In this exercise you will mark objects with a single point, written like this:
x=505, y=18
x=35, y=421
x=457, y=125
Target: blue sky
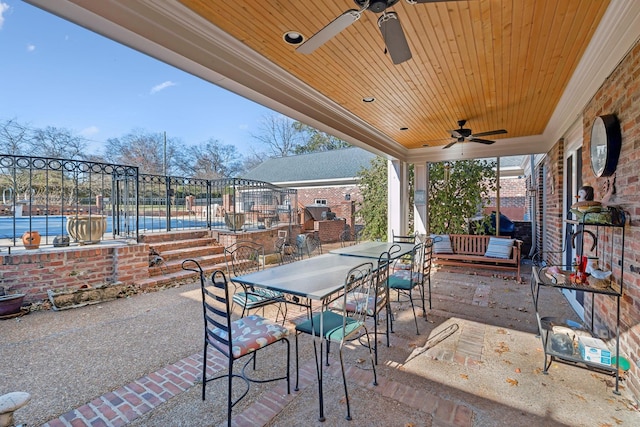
x=56, y=73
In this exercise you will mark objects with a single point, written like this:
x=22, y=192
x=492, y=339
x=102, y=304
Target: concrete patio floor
x=476, y=362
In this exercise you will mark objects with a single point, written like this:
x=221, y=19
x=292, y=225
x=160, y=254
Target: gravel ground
x=65, y=359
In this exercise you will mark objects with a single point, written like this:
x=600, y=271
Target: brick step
x=174, y=265
x=191, y=252
x=177, y=277
x=155, y=238
x=164, y=247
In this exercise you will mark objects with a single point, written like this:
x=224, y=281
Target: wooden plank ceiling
x=500, y=64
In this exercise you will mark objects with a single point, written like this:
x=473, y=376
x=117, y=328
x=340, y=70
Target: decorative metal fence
x=58, y=198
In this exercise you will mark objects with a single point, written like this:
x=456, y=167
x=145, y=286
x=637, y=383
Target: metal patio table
x=317, y=279
x=372, y=250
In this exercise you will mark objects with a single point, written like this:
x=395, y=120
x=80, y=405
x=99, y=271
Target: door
x=573, y=182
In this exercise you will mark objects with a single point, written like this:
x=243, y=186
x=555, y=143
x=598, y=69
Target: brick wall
x=551, y=211
x=620, y=95
x=267, y=238
x=329, y=231
x=333, y=195
x=513, y=200
x=33, y=273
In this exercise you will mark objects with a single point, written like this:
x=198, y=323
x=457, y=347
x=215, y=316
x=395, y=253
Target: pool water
x=56, y=225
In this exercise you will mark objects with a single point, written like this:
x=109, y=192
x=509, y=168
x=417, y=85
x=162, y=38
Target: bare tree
x=14, y=137
x=142, y=149
x=315, y=140
x=252, y=160
x=216, y=160
x=279, y=134
x=57, y=142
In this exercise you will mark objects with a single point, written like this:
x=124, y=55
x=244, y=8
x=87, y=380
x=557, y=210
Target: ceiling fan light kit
x=462, y=134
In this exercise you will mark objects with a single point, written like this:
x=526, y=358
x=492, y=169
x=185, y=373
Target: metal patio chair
x=286, y=250
x=378, y=299
x=308, y=244
x=342, y=326
x=246, y=257
x=410, y=238
x=404, y=281
x=233, y=338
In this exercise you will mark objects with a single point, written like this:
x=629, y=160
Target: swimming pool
x=56, y=225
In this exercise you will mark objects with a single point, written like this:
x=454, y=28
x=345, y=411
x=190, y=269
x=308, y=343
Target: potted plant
x=10, y=304
x=31, y=239
x=234, y=220
x=86, y=229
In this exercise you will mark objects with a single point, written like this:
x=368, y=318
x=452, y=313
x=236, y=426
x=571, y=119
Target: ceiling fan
x=463, y=134
x=389, y=24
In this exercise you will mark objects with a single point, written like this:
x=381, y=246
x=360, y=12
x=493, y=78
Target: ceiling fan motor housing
x=464, y=132
x=376, y=6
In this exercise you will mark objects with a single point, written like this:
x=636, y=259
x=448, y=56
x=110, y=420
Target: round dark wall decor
x=605, y=145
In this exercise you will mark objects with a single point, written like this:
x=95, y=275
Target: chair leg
x=284, y=312
x=344, y=382
x=421, y=289
x=373, y=365
x=204, y=370
x=413, y=308
x=318, y=356
x=390, y=315
x=388, y=320
x=375, y=337
x=297, y=368
x=288, y=366
x=327, y=358
x=229, y=393
x=429, y=280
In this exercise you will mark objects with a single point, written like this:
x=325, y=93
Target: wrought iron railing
x=46, y=195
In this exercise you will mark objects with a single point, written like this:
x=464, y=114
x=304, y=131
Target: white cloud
x=161, y=86
x=3, y=8
x=31, y=47
x=91, y=130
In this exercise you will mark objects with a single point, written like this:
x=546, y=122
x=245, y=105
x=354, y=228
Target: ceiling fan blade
x=481, y=141
x=330, y=30
x=449, y=145
x=491, y=132
x=394, y=37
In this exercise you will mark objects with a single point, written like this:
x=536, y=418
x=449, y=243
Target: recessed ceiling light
x=404, y=128
x=293, y=37
x=368, y=99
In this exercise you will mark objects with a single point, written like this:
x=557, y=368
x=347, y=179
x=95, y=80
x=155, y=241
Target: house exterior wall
x=513, y=198
x=551, y=212
x=336, y=200
x=334, y=195
x=619, y=95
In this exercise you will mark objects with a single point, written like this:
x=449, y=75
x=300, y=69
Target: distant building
x=326, y=178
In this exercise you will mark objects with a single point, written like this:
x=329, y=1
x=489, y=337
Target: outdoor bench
x=500, y=253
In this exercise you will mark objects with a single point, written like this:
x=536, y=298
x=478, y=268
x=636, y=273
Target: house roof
x=332, y=167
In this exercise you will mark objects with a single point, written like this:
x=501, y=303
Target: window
x=320, y=201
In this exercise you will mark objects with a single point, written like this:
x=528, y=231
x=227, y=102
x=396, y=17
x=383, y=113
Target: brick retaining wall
x=34, y=272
